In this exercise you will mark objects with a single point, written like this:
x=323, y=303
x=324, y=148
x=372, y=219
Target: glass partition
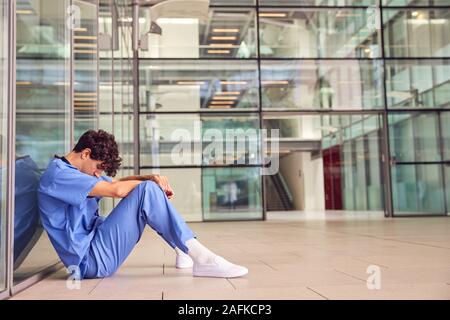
x=85, y=65
x=322, y=84
x=223, y=33
x=416, y=32
x=423, y=83
x=351, y=151
x=319, y=33
x=418, y=147
x=231, y=194
x=193, y=139
x=187, y=186
x=197, y=85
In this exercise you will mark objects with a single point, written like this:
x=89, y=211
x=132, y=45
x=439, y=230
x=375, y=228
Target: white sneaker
x=183, y=261
x=219, y=268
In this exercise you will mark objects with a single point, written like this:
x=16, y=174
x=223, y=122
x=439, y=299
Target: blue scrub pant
x=114, y=239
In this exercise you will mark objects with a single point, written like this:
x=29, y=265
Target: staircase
x=278, y=196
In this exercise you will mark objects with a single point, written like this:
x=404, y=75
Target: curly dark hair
x=103, y=148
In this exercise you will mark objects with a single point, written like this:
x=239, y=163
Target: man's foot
x=219, y=268
x=183, y=261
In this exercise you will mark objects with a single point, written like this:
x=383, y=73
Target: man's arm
x=120, y=188
x=116, y=189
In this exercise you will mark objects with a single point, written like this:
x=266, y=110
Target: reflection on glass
x=191, y=139
x=198, y=85
x=85, y=68
x=3, y=134
x=187, y=186
x=418, y=189
x=43, y=99
x=226, y=33
x=322, y=84
x=416, y=32
x=27, y=225
x=414, y=137
x=418, y=83
x=319, y=33
x=232, y=193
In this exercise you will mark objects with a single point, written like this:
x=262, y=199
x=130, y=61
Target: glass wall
x=42, y=121
x=85, y=65
x=414, y=83
x=417, y=143
x=58, y=87
x=353, y=171
x=322, y=84
x=4, y=7
x=318, y=33
x=115, y=88
x=199, y=91
x=417, y=49
x=281, y=62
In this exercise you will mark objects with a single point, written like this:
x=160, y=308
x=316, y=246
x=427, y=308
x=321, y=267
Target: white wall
x=291, y=168
x=314, y=183
x=178, y=40
x=305, y=180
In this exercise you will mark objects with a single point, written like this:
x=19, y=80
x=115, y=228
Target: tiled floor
x=290, y=256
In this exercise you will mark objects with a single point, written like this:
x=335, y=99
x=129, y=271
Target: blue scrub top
x=68, y=215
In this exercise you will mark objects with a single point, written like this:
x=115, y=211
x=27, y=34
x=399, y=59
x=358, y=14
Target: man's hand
x=159, y=180
x=163, y=182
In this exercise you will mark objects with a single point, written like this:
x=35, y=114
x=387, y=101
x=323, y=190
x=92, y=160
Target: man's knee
x=151, y=185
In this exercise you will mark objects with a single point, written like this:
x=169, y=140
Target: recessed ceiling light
x=273, y=14
x=24, y=11
x=221, y=102
x=224, y=98
x=233, y=82
x=223, y=38
x=220, y=107
x=219, y=51
x=85, y=51
x=225, y=30
x=280, y=82
x=221, y=45
x=85, y=37
x=231, y=93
